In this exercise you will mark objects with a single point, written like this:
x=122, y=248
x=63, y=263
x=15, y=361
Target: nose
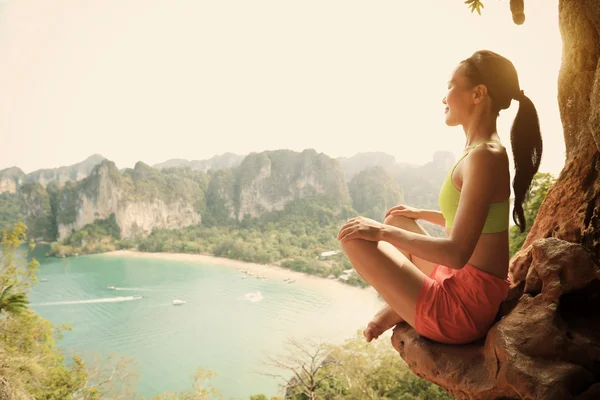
x=444, y=100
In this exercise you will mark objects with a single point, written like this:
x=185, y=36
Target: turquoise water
x=218, y=328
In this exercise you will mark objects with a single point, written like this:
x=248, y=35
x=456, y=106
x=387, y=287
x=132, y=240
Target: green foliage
x=67, y=203
x=474, y=5
x=220, y=195
x=259, y=397
x=293, y=238
x=373, y=192
x=12, y=303
x=540, y=185
x=199, y=390
x=29, y=361
x=354, y=370
x=37, y=211
x=146, y=183
x=10, y=210
x=98, y=237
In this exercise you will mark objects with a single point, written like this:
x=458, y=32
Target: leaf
x=474, y=5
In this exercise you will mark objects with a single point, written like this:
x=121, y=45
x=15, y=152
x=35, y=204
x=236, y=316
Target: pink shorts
x=458, y=306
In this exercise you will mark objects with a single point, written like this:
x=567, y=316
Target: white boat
x=254, y=296
x=112, y=287
x=178, y=302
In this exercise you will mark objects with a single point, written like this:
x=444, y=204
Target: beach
x=269, y=271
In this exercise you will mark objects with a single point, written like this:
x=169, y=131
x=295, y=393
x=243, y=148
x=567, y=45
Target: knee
x=354, y=246
x=399, y=221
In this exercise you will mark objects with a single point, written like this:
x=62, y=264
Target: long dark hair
x=500, y=77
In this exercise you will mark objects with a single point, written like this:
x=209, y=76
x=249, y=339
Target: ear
x=479, y=93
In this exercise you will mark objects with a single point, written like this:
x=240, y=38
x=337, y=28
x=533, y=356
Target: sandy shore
x=268, y=271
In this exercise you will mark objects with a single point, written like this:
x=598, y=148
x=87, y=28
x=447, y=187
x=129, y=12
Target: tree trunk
x=571, y=208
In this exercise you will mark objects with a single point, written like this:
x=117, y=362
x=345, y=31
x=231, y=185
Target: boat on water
x=254, y=296
x=43, y=280
x=112, y=287
x=177, y=302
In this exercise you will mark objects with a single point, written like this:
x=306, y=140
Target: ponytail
x=499, y=75
x=526, y=143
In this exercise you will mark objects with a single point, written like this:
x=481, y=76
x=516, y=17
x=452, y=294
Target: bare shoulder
x=491, y=157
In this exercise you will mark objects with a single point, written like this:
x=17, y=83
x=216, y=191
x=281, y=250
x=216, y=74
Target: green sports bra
x=498, y=213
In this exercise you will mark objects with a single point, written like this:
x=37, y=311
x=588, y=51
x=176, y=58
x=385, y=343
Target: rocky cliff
x=37, y=211
x=268, y=180
x=61, y=175
x=374, y=191
x=11, y=179
x=141, y=199
x=144, y=198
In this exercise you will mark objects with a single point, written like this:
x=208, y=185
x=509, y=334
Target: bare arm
x=433, y=216
x=476, y=193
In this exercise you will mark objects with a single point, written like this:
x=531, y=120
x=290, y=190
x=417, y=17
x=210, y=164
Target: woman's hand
x=404, y=211
x=361, y=228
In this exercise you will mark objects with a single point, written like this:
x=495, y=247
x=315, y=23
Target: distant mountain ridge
x=222, y=161
x=12, y=178
x=58, y=202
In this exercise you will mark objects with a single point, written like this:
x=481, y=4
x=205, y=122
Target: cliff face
x=11, y=179
x=36, y=211
x=62, y=175
x=268, y=180
x=373, y=192
x=144, y=198
x=138, y=205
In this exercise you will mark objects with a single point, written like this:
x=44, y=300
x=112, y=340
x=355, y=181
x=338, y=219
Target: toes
x=371, y=332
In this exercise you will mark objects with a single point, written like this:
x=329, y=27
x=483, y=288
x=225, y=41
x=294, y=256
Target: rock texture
x=61, y=175
x=267, y=181
x=11, y=179
x=546, y=344
x=106, y=192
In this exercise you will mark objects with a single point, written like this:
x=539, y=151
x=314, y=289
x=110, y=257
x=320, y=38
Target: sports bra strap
x=471, y=147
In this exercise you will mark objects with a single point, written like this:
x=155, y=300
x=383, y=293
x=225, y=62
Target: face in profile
x=459, y=99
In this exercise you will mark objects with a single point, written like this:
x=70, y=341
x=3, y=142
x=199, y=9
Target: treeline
x=354, y=370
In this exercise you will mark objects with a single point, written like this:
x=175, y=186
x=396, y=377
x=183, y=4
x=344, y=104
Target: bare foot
x=385, y=319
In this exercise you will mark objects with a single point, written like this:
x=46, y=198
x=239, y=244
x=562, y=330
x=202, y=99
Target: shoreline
x=267, y=270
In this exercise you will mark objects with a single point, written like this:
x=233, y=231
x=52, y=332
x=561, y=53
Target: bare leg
x=394, y=276
x=387, y=318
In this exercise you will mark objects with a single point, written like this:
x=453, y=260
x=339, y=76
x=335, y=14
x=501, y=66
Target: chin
x=450, y=121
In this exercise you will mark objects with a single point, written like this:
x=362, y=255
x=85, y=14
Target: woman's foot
x=385, y=319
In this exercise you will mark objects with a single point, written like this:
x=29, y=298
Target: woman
x=449, y=289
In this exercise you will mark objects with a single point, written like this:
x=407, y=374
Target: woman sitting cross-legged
x=449, y=289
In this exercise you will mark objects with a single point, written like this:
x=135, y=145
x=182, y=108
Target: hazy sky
x=152, y=80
